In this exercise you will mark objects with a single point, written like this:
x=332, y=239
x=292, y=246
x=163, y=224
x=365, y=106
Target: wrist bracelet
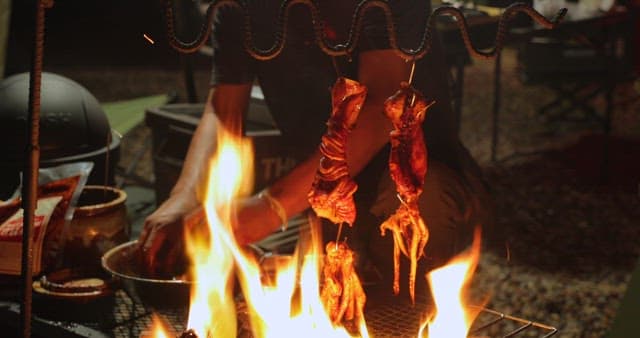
x=275, y=205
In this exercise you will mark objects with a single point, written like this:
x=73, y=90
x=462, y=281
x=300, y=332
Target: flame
x=159, y=329
x=284, y=302
x=213, y=253
x=453, y=316
x=283, y=298
x=289, y=304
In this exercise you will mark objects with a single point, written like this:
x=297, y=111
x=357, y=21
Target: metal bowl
x=157, y=292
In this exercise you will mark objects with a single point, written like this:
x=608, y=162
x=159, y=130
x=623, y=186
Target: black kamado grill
x=73, y=128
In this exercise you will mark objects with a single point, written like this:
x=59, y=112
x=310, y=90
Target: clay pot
x=100, y=222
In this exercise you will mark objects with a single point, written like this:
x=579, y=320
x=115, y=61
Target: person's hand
x=161, y=242
x=255, y=220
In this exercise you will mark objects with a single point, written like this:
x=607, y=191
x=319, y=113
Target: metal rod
x=30, y=171
x=496, y=108
x=339, y=233
x=347, y=48
x=413, y=70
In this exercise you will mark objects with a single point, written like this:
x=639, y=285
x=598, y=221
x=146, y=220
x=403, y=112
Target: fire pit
x=319, y=293
x=213, y=312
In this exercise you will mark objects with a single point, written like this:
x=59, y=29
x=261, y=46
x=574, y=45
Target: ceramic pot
x=100, y=222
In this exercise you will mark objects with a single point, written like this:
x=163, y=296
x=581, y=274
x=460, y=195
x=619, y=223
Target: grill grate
x=390, y=318
x=134, y=319
x=131, y=319
x=491, y=323
x=385, y=318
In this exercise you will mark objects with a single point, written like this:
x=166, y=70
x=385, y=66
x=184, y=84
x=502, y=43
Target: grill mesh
x=385, y=317
x=394, y=319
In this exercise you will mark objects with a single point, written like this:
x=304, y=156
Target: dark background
x=90, y=33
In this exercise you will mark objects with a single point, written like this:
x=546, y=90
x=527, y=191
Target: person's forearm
x=291, y=190
x=195, y=165
x=381, y=71
x=225, y=106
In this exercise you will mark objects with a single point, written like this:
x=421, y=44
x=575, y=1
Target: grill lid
x=72, y=121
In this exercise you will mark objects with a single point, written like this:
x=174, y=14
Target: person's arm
x=225, y=105
x=381, y=71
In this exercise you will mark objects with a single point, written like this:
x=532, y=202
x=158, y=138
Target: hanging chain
x=347, y=48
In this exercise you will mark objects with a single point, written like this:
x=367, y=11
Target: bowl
x=159, y=292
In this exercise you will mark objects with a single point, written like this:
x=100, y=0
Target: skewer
x=338, y=235
x=413, y=220
x=335, y=66
x=413, y=69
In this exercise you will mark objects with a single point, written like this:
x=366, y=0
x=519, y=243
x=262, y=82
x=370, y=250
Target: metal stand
x=347, y=48
x=30, y=176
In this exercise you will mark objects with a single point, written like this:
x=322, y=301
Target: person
x=296, y=86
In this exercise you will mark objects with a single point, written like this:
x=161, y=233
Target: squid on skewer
x=408, y=167
x=331, y=197
x=342, y=293
x=331, y=194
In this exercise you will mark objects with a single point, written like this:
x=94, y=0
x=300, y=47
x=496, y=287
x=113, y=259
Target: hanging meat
x=341, y=293
x=408, y=167
x=331, y=194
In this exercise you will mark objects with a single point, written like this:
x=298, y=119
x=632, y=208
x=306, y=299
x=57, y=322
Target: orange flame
x=453, y=316
x=288, y=304
x=212, y=254
x=159, y=329
x=285, y=301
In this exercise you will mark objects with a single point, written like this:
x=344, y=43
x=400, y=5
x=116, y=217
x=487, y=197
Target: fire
x=452, y=315
x=290, y=306
x=212, y=253
x=284, y=301
x=158, y=329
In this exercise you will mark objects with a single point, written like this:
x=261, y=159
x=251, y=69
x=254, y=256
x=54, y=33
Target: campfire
x=301, y=296
x=286, y=301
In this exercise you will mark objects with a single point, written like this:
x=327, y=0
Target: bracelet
x=276, y=206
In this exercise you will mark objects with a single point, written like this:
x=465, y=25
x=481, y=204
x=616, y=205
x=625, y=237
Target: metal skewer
x=413, y=96
x=339, y=233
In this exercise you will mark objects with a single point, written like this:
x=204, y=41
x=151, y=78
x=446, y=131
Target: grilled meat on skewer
x=341, y=293
x=331, y=194
x=408, y=167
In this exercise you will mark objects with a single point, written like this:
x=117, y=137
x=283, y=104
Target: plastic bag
x=66, y=181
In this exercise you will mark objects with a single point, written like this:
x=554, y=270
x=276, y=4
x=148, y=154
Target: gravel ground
x=572, y=233
x=572, y=238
